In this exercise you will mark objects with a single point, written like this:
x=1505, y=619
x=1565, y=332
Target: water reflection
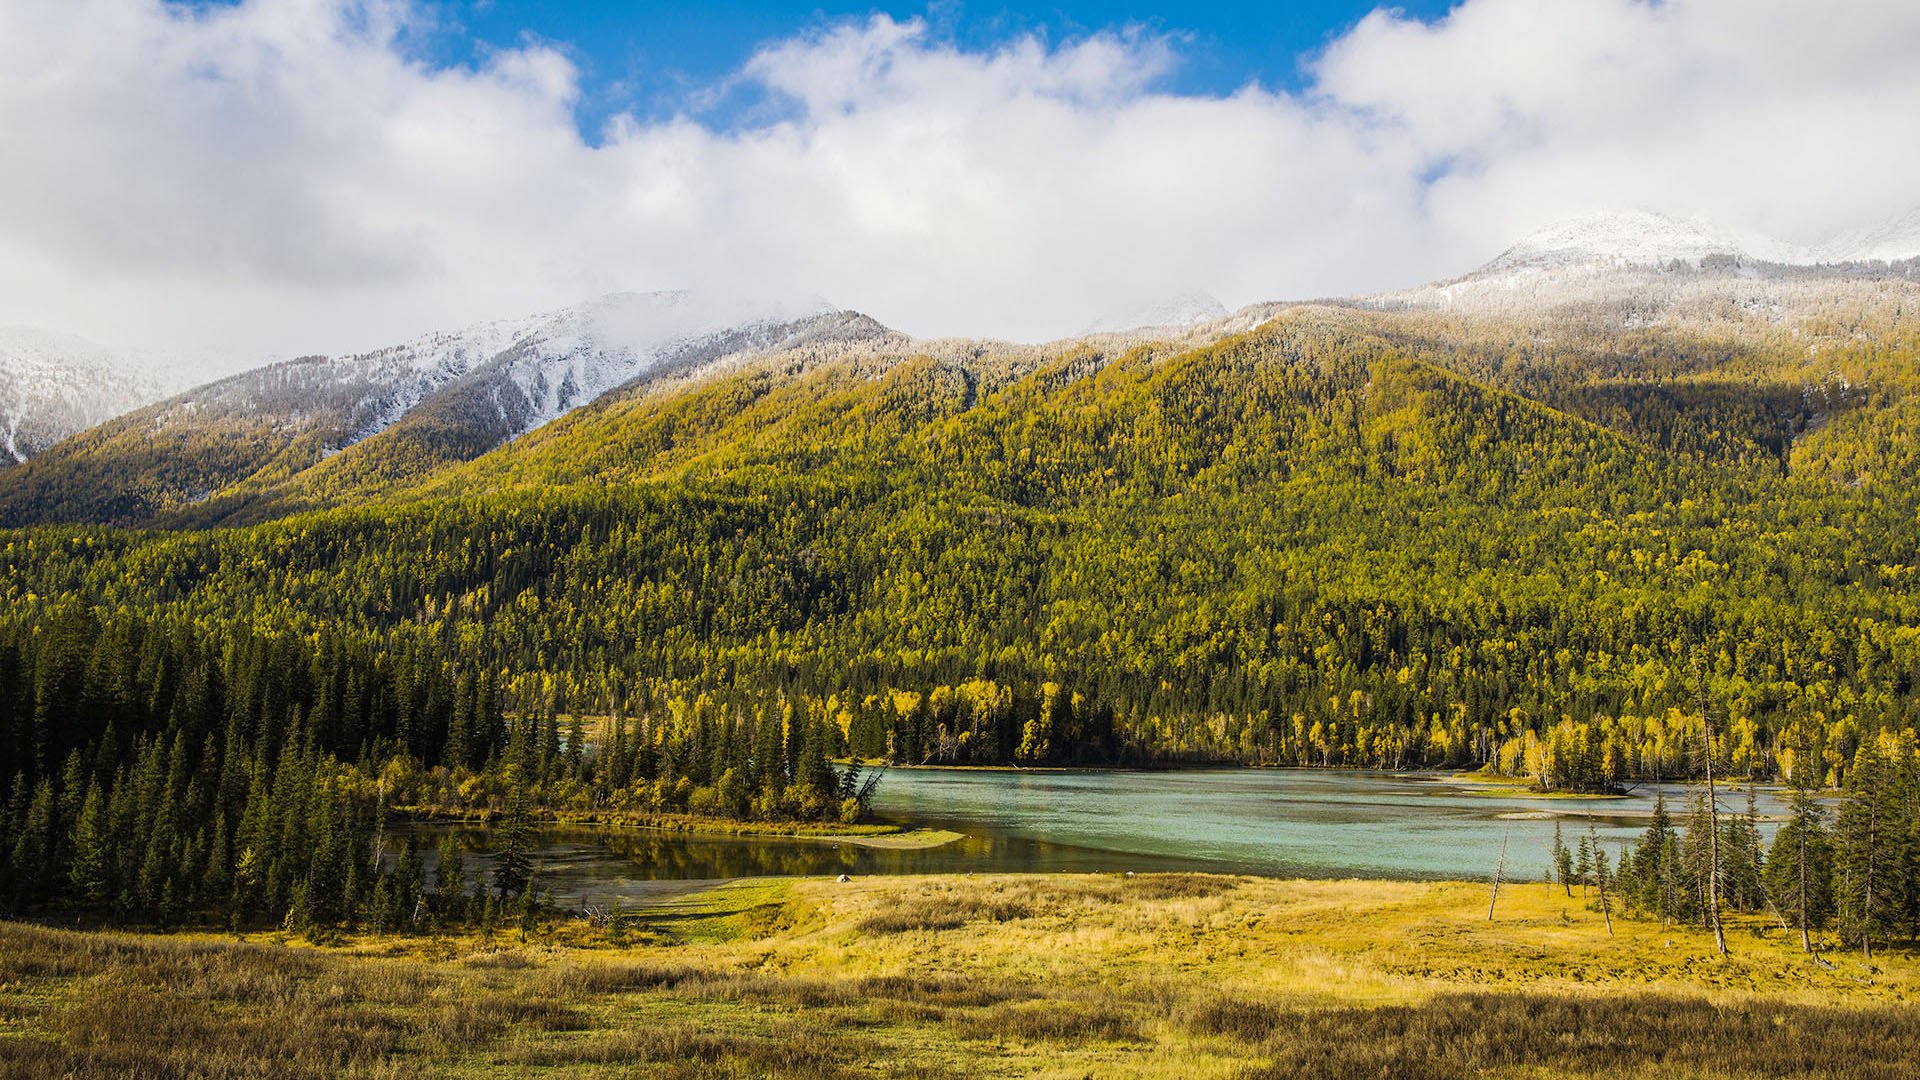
x=1289, y=822
x=600, y=865
x=1279, y=822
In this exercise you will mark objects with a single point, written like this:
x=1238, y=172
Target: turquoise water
x=1293, y=822
x=1284, y=822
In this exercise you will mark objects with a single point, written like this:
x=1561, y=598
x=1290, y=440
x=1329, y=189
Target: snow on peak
x=1890, y=241
x=1638, y=238
x=52, y=385
x=1643, y=239
x=622, y=322
x=21, y=345
x=532, y=369
x=1174, y=312
x=573, y=356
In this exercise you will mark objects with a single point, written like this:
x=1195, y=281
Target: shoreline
x=880, y=835
x=1521, y=785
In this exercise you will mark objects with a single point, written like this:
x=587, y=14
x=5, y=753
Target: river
x=1280, y=822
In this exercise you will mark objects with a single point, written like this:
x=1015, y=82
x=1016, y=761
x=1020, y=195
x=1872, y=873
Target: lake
x=1279, y=822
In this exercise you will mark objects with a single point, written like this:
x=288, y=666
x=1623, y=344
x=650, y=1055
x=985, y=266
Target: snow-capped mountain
x=1643, y=239
x=1173, y=313
x=1891, y=241
x=1634, y=268
x=1638, y=239
x=386, y=414
x=52, y=385
x=523, y=372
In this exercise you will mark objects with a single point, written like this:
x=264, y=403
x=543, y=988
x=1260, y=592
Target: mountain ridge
x=1644, y=238
x=316, y=430
x=53, y=385
x=206, y=451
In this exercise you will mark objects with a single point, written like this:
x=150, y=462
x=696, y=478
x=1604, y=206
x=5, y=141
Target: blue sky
x=260, y=177
x=659, y=59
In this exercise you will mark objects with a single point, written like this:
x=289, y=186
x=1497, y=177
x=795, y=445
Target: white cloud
x=282, y=177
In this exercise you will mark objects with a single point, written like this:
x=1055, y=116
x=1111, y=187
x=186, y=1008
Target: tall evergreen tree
x=513, y=860
x=1863, y=886
x=92, y=869
x=1799, y=867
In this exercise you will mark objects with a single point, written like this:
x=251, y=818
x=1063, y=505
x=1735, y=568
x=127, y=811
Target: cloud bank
x=284, y=176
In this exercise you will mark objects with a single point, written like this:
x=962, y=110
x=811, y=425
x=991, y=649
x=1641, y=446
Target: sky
x=263, y=178
x=655, y=60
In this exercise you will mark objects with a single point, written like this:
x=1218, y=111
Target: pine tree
x=91, y=871
x=380, y=907
x=1583, y=864
x=461, y=733
x=1655, y=862
x=513, y=865
x=1800, y=866
x=576, y=747
x=1600, y=875
x=217, y=880
x=1713, y=832
x=1745, y=860
x=33, y=847
x=1694, y=858
x=1860, y=868
x=325, y=882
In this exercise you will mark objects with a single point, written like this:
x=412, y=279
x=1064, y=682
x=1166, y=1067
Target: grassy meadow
x=1023, y=975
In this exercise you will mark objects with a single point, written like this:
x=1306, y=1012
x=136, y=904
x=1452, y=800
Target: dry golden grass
x=1046, y=975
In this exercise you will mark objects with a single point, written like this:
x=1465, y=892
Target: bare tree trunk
x=1498, y=869
x=1599, y=872
x=1866, y=909
x=1806, y=940
x=1713, y=839
x=1666, y=892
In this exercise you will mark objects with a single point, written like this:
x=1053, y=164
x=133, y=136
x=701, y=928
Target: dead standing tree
x=1499, y=868
x=1713, y=826
x=1600, y=872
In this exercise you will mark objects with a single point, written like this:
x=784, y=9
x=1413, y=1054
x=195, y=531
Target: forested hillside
x=246, y=447
x=1341, y=539
x=1326, y=542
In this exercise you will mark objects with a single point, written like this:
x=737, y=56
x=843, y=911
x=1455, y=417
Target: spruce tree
x=33, y=847
x=1655, y=862
x=1800, y=865
x=513, y=865
x=91, y=871
x=1860, y=851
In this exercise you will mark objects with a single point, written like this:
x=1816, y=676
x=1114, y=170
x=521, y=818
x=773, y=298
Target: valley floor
x=1020, y=975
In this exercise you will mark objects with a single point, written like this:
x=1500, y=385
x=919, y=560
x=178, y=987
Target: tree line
x=1846, y=863
x=163, y=775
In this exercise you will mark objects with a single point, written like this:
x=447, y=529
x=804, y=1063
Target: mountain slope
x=1391, y=534
x=1636, y=238
x=1640, y=238
x=1668, y=331
x=1890, y=241
x=53, y=385
x=1679, y=334
x=1305, y=544
x=229, y=446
